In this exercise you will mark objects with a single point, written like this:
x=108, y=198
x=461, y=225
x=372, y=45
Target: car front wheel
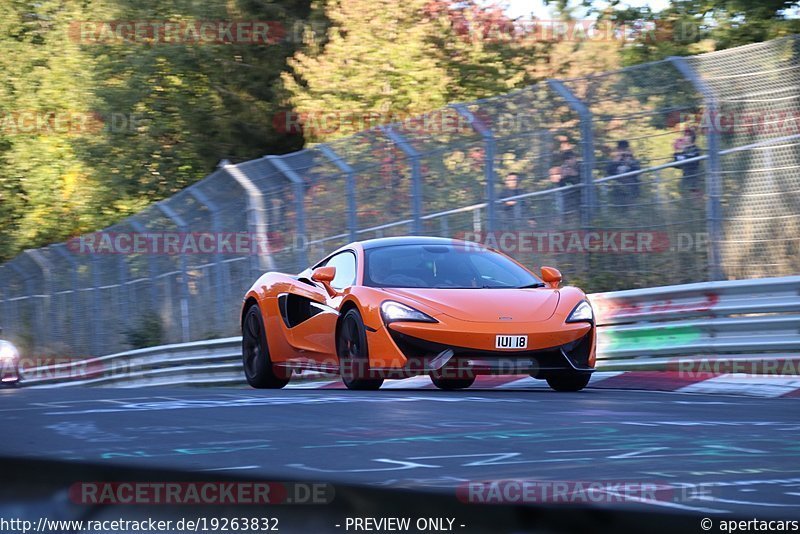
x=351, y=347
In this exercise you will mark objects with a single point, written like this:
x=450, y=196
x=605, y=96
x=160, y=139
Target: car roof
x=396, y=241
x=408, y=240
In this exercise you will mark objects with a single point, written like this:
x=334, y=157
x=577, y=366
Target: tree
x=188, y=105
x=45, y=100
x=693, y=26
x=159, y=116
x=378, y=57
x=395, y=59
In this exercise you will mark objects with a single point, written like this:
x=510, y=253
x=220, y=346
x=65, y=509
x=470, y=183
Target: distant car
x=9, y=364
x=399, y=307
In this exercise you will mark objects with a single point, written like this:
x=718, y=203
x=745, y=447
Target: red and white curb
x=727, y=384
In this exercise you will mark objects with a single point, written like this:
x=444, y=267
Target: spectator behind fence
x=685, y=148
x=276, y=214
x=570, y=175
x=509, y=209
x=625, y=190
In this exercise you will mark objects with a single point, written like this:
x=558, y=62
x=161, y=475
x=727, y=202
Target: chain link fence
x=671, y=172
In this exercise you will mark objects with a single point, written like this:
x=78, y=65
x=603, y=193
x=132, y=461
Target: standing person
x=509, y=209
x=685, y=148
x=571, y=175
x=624, y=191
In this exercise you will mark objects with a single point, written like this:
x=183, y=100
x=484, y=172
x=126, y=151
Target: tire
x=10, y=384
x=568, y=381
x=451, y=383
x=351, y=347
x=258, y=368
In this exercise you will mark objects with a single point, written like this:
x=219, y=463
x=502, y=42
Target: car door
x=310, y=314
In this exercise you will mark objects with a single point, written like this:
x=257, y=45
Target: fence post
x=3, y=302
x=30, y=291
x=126, y=295
x=488, y=138
x=61, y=251
x=352, y=208
x=257, y=225
x=713, y=176
x=416, y=175
x=46, y=313
x=299, y=187
x=220, y=268
x=588, y=193
x=7, y=315
x=184, y=282
x=151, y=269
x=444, y=226
x=94, y=329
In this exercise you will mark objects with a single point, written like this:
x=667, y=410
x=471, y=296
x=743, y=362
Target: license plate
x=511, y=342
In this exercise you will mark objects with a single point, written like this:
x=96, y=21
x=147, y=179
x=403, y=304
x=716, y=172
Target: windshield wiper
x=531, y=286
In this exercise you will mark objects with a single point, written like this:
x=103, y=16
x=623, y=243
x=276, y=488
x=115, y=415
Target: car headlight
x=394, y=311
x=8, y=351
x=582, y=312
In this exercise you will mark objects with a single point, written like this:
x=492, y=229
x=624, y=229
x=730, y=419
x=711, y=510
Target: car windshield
x=443, y=267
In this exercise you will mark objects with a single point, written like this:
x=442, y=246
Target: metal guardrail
x=653, y=329
x=212, y=362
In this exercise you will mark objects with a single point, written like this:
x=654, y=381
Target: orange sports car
x=404, y=306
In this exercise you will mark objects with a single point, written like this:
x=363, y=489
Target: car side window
x=345, y=263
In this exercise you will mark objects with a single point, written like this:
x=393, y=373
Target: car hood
x=486, y=305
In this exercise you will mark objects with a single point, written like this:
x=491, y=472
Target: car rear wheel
x=568, y=381
x=450, y=383
x=351, y=346
x=258, y=367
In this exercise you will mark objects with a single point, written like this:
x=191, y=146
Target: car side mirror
x=551, y=276
x=325, y=275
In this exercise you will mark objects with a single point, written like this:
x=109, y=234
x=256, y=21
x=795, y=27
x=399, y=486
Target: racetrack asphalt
x=709, y=454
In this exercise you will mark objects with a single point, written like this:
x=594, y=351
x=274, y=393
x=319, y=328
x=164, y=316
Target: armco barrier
x=747, y=320
x=212, y=362
x=643, y=329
